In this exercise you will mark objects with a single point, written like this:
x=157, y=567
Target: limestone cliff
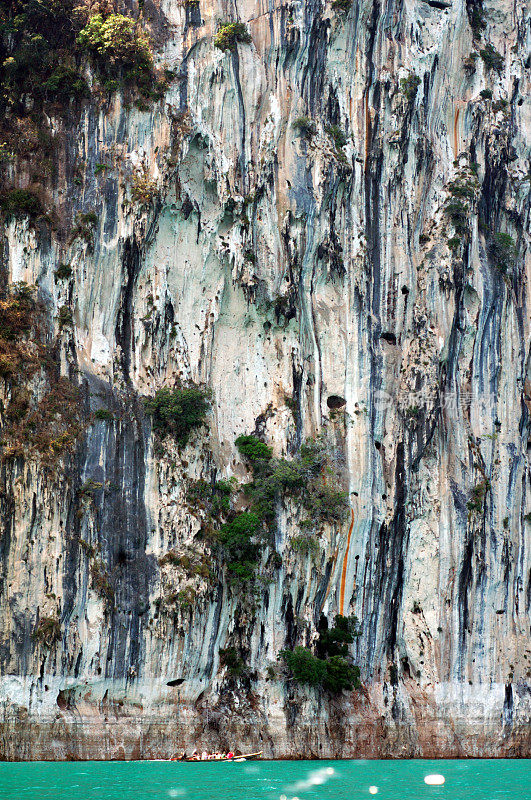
x=325, y=224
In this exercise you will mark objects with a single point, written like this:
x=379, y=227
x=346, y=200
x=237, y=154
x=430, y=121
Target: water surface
x=266, y=780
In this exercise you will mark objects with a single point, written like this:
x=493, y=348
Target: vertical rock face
x=327, y=227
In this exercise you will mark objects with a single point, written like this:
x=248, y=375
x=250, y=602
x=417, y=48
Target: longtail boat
x=244, y=757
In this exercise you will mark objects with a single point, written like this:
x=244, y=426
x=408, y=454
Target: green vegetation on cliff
x=310, y=477
x=44, y=47
x=178, y=411
x=229, y=34
x=241, y=552
x=38, y=52
x=330, y=668
x=54, y=55
x=502, y=251
x=118, y=49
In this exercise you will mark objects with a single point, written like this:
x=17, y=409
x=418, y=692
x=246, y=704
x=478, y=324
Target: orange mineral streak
x=345, y=562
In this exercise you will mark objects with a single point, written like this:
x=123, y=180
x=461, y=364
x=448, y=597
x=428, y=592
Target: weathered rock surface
x=268, y=264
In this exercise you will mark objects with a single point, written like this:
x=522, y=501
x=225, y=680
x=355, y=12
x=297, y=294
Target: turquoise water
x=266, y=780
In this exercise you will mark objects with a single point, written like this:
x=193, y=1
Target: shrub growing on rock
x=240, y=550
x=101, y=582
x=65, y=317
x=65, y=82
x=178, y=411
x=303, y=477
x=333, y=674
x=409, y=86
x=342, y=5
x=491, y=58
x=230, y=658
x=310, y=479
x=334, y=641
x=103, y=415
x=84, y=227
x=117, y=39
x=476, y=16
x=331, y=667
x=63, y=272
x=252, y=448
x=458, y=213
x=229, y=34
x=304, y=666
x=338, y=136
x=305, y=127
x=121, y=54
x=47, y=631
x=37, y=40
x=21, y=203
x=341, y=675
x=502, y=251
x=214, y=498
x=477, y=498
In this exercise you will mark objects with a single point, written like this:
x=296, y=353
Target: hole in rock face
x=442, y=5
x=335, y=401
x=405, y=667
x=175, y=682
x=405, y=290
x=387, y=336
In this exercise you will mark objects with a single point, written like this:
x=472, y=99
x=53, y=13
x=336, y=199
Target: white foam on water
x=315, y=778
x=434, y=780
x=179, y=792
x=373, y=790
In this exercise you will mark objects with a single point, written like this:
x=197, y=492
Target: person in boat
x=230, y=755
